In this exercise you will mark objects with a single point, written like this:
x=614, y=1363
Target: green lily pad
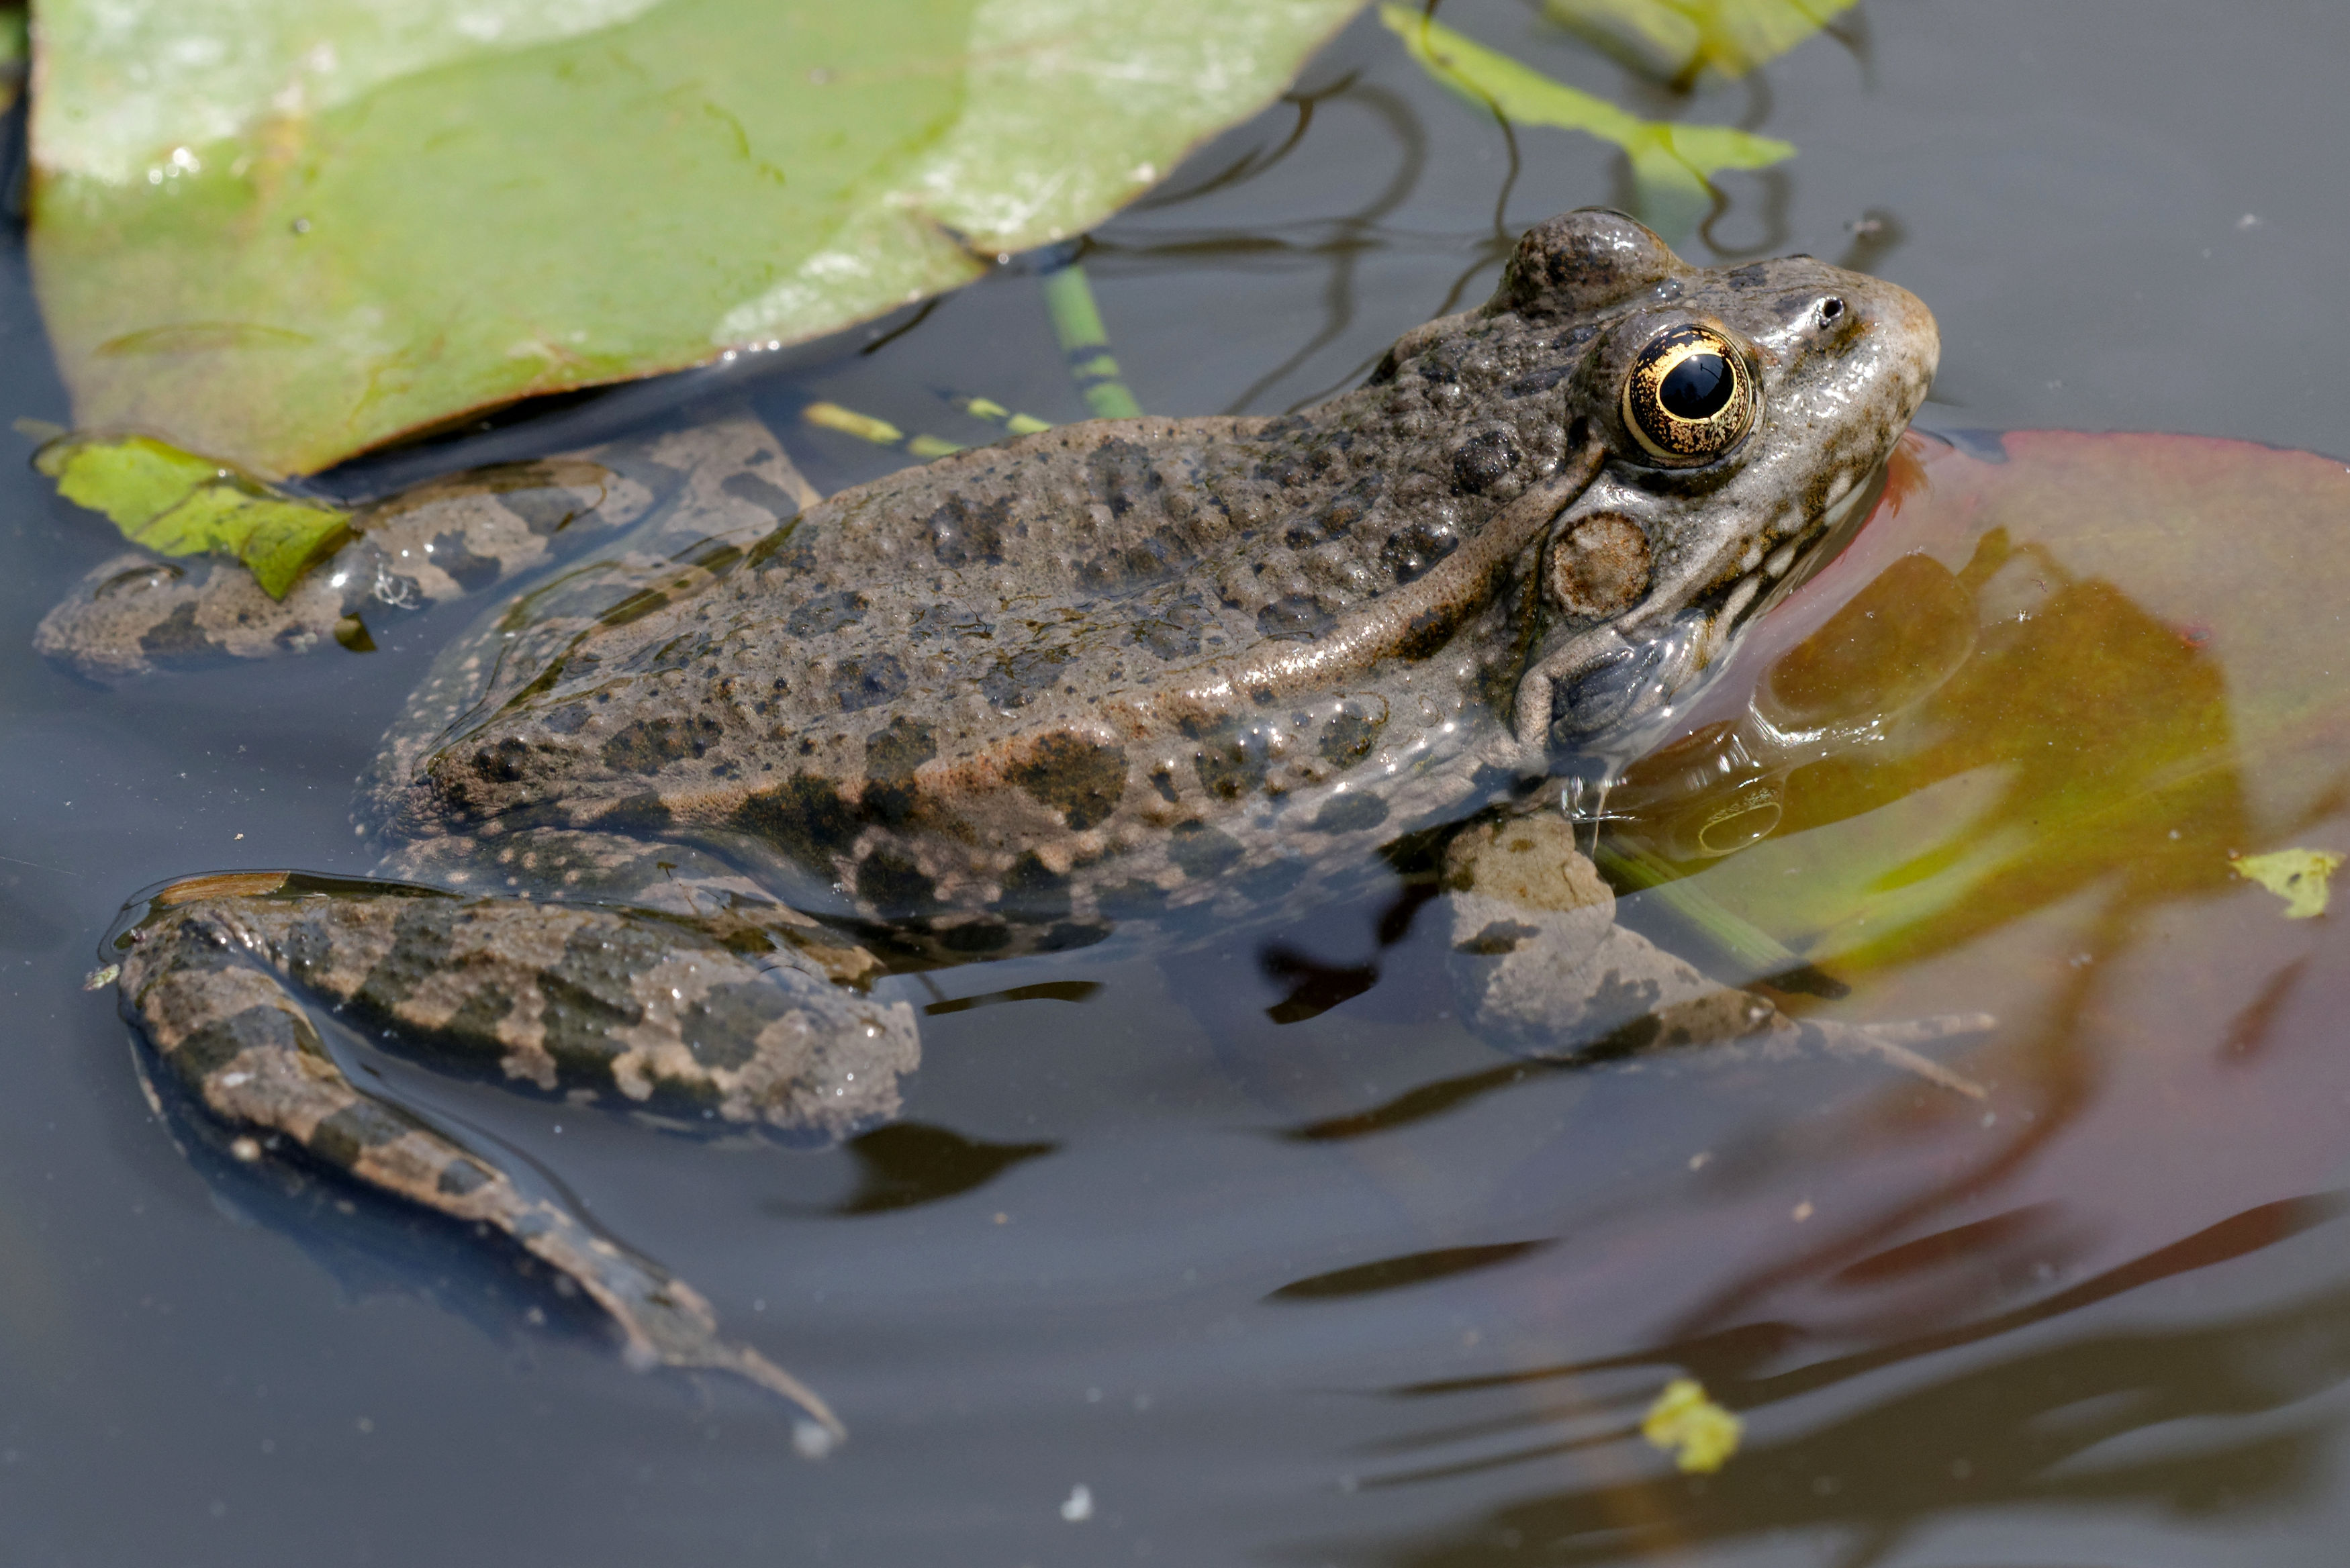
x=176, y=503
x=1689, y=42
x=1673, y=165
x=286, y=231
x=15, y=54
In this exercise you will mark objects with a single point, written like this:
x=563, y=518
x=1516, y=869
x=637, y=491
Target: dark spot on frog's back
x=1481, y=461
x=1120, y=473
x=962, y=533
x=1022, y=675
x=1411, y=550
x=1336, y=518
x=1350, y=736
x=1296, y=618
x=648, y=745
x=1232, y=761
x=868, y=681
x=1146, y=561
x=1082, y=779
x=1174, y=632
x=804, y=817
x=827, y=613
x=891, y=755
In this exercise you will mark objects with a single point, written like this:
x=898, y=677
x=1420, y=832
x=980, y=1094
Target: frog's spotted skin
x=651, y=820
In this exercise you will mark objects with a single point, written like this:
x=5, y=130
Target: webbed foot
x=1543, y=968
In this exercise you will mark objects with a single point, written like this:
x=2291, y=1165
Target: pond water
x=1353, y=1287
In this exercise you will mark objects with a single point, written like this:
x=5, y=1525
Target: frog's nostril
x=1830, y=310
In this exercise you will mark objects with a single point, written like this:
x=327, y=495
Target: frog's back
x=1019, y=657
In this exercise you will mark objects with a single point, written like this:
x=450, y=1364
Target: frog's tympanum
x=652, y=831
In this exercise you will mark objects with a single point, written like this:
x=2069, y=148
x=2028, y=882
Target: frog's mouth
x=1610, y=691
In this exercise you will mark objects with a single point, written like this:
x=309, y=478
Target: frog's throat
x=1412, y=622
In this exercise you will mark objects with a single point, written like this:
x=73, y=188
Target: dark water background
x=2127, y=217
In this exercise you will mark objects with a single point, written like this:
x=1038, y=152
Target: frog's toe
x=1896, y=1045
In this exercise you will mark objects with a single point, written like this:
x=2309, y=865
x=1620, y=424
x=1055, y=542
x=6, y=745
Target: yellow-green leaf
x=176, y=503
x=1700, y=1434
x=132, y=480
x=2299, y=876
x=281, y=231
x=1673, y=164
x=1686, y=42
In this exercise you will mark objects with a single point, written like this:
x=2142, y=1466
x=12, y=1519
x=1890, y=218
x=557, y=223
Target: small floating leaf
x=1700, y=1434
x=1684, y=41
x=2297, y=876
x=1673, y=164
x=177, y=504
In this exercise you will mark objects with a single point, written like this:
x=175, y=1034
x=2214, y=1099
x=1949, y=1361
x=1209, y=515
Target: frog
x=652, y=833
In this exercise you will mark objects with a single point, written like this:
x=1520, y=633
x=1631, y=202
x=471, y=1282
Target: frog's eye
x=1689, y=397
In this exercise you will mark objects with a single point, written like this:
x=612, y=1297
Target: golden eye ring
x=1689, y=397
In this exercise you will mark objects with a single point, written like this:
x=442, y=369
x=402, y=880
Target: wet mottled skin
x=645, y=830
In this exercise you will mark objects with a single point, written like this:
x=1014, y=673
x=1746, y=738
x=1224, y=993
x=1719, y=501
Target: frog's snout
x=1912, y=333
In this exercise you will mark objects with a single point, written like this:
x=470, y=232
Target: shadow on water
x=2006, y=1433
x=907, y=1164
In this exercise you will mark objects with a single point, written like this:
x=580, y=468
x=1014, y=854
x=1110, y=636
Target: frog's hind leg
x=580, y=1000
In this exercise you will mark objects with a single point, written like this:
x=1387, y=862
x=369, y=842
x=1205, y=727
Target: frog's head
x=1743, y=412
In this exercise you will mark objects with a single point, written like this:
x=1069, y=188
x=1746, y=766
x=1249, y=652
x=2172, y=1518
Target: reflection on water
x=2012, y=1430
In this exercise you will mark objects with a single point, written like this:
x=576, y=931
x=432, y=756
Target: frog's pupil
x=1697, y=387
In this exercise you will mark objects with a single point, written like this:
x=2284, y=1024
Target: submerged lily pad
x=1686, y=42
x=2077, y=673
x=176, y=503
x=285, y=233
x=1673, y=165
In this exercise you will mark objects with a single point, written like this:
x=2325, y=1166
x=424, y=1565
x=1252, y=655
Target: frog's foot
x=1541, y=967
x=588, y=1001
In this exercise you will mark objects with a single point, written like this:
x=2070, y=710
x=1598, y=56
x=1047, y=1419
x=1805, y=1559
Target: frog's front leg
x=621, y=1005
x=1543, y=967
